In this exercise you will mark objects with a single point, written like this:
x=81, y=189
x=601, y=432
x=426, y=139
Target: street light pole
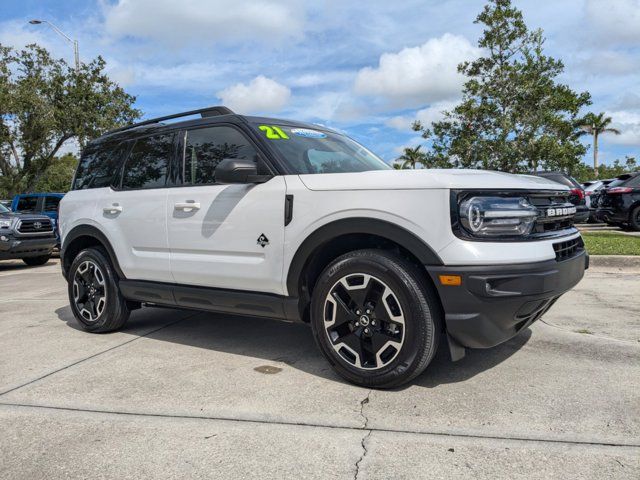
x=76, y=53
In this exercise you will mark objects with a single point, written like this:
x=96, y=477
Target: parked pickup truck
x=26, y=236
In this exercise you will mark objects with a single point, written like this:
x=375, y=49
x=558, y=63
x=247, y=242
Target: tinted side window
x=98, y=167
x=633, y=182
x=51, y=204
x=205, y=148
x=27, y=204
x=148, y=162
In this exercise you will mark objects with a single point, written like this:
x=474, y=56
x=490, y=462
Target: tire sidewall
x=633, y=218
x=111, y=288
x=420, y=327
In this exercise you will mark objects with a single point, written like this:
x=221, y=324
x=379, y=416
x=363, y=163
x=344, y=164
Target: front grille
x=545, y=201
x=568, y=249
x=35, y=227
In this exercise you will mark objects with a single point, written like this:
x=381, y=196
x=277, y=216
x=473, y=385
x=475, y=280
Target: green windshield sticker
x=273, y=133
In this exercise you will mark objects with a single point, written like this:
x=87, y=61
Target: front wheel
x=374, y=318
x=94, y=295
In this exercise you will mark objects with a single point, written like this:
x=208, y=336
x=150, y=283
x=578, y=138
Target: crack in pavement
x=591, y=335
x=363, y=441
x=94, y=355
x=331, y=426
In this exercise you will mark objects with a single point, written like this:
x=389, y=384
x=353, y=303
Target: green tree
x=584, y=172
x=514, y=116
x=596, y=125
x=44, y=103
x=58, y=176
x=411, y=157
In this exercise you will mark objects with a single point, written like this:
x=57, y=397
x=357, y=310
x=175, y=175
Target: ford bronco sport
x=279, y=219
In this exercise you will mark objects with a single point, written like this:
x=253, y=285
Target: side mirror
x=235, y=170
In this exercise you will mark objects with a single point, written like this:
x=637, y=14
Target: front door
x=225, y=236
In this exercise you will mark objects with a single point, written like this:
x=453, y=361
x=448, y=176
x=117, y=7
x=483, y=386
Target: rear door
x=134, y=214
x=225, y=236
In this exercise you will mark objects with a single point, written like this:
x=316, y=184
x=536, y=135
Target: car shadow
x=9, y=265
x=290, y=343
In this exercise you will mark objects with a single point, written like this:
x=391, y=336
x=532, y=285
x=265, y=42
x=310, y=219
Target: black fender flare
x=93, y=232
x=359, y=225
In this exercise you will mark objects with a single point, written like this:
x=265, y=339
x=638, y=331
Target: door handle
x=187, y=206
x=115, y=208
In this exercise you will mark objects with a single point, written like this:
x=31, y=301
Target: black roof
x=207, y=115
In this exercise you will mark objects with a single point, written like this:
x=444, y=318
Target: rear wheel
x=94, y=295
x=634, y=219
x=35, y=261
x=374, y=319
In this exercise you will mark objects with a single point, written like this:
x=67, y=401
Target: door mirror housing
x=236, y=170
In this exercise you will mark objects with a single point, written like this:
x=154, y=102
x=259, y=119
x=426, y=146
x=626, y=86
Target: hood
x=23, y=216
x=427, y=179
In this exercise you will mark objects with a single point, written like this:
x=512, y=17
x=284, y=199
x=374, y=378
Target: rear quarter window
x=51, y=204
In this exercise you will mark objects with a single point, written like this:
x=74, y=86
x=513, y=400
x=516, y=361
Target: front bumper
x=20, y=247
x=495, y=303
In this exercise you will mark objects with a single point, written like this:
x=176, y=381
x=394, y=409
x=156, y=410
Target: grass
x=584, y=331
x=611, y=243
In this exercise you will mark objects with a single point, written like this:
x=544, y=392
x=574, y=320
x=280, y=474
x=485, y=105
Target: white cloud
x=425, y=74
x=204, y=21
x=426, y=116
x=261, y=94
x=629, y=125
x=615, y=20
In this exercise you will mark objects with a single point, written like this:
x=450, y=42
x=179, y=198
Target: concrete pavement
x=183, y=394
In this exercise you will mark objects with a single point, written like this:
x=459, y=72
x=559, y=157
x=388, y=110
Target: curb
x=620, y=263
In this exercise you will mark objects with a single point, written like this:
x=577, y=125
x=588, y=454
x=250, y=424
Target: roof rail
x=204, y=112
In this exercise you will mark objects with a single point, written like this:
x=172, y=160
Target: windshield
x=4, y=209
x=318, y=151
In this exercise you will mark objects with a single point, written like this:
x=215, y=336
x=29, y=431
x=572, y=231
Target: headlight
x=5, y=223
x=497, y=216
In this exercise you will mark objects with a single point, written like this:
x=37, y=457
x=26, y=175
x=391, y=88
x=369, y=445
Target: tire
x=94, y=296
x=401, y=334
x=634, y=219
x=36, y=261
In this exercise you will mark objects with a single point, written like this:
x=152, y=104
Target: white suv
x=280, y=219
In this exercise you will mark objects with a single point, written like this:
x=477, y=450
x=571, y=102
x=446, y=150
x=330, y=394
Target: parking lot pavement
x=185, y=394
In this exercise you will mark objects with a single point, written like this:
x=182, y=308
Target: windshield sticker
x=308, y=133
x=273, y=132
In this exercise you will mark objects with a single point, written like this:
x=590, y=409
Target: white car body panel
x=217, y=245
x=426, y=179
x=138, y=234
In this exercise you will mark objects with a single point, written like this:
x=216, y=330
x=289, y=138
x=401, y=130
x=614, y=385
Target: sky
x=366, y=68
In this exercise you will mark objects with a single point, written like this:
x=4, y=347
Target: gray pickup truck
x=26, y=236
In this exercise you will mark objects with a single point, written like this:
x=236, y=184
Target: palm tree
x=596, y=125
x=412, y=157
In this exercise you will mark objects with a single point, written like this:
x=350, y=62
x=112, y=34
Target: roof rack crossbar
x=204, y=112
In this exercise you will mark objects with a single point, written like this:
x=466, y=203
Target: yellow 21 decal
x=273, y=132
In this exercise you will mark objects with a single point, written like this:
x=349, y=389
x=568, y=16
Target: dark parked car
x=577, y=193
x=593, y=190
x=620, y=202
x=39, y=203
x=26, y=236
